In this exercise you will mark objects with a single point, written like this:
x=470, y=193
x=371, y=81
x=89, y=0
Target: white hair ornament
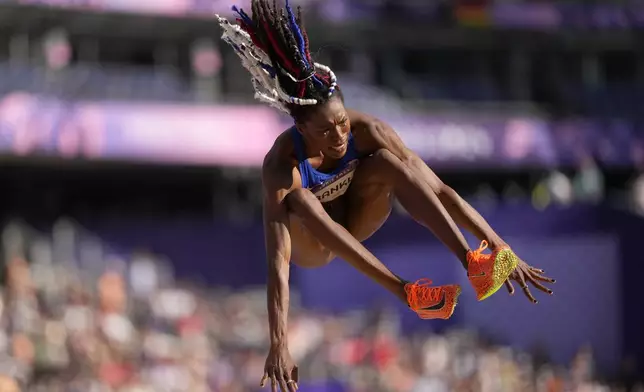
x=263, y=72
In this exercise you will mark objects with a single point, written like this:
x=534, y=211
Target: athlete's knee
x=384, y=155
x=303, y=203
x=381, y=160
x=299, y=197
x=390, y=165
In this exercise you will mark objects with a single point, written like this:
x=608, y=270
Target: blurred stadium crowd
x=97, y=323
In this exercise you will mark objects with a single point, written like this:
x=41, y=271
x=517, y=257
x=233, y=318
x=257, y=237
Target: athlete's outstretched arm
x=279, y=367
x=281, y=198
x=278, y=252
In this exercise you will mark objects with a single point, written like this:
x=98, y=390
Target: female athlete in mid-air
x=329, y=180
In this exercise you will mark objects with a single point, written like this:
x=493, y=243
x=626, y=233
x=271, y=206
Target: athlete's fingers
x=524, y=286
x=543, y=278
x=537, y=270
x=264, y=379
x=508, y=285
x=290, y=383
x=295, y=377
x=538, y=285
x=282, y=381
x=526, y=291
x=274, y=384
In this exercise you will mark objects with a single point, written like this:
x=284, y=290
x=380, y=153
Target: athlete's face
x=327, y=129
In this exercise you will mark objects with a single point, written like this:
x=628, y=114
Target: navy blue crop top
x=326, y=186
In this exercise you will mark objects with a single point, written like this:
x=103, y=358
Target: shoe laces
x=475, y=255
x=422, y=292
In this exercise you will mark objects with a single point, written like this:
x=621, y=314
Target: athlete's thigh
x=369, y=199
x=306, y=250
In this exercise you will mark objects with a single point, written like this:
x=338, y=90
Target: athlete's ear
x=299, y=127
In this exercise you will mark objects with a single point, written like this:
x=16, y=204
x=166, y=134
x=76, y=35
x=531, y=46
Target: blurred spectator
x=171, y=336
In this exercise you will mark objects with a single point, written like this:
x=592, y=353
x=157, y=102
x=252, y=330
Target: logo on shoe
x=440, y=305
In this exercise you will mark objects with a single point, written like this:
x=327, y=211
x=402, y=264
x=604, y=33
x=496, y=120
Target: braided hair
x=274, y=47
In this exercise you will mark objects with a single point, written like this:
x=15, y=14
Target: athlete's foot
x=432, y=302
x=488, y=272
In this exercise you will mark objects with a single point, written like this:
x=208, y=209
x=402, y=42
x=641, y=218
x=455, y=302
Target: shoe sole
x=505, y=263
x=456, y=295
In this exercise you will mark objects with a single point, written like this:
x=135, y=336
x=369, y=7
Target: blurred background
x=132, y=249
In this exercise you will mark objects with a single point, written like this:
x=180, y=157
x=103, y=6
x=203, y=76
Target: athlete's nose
x=338, y=136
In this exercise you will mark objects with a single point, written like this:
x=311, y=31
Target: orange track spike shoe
x=488, y=272
x=437, y=302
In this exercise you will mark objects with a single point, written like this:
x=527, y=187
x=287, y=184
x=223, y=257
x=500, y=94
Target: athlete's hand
x=525, y=274
x=281, y=370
